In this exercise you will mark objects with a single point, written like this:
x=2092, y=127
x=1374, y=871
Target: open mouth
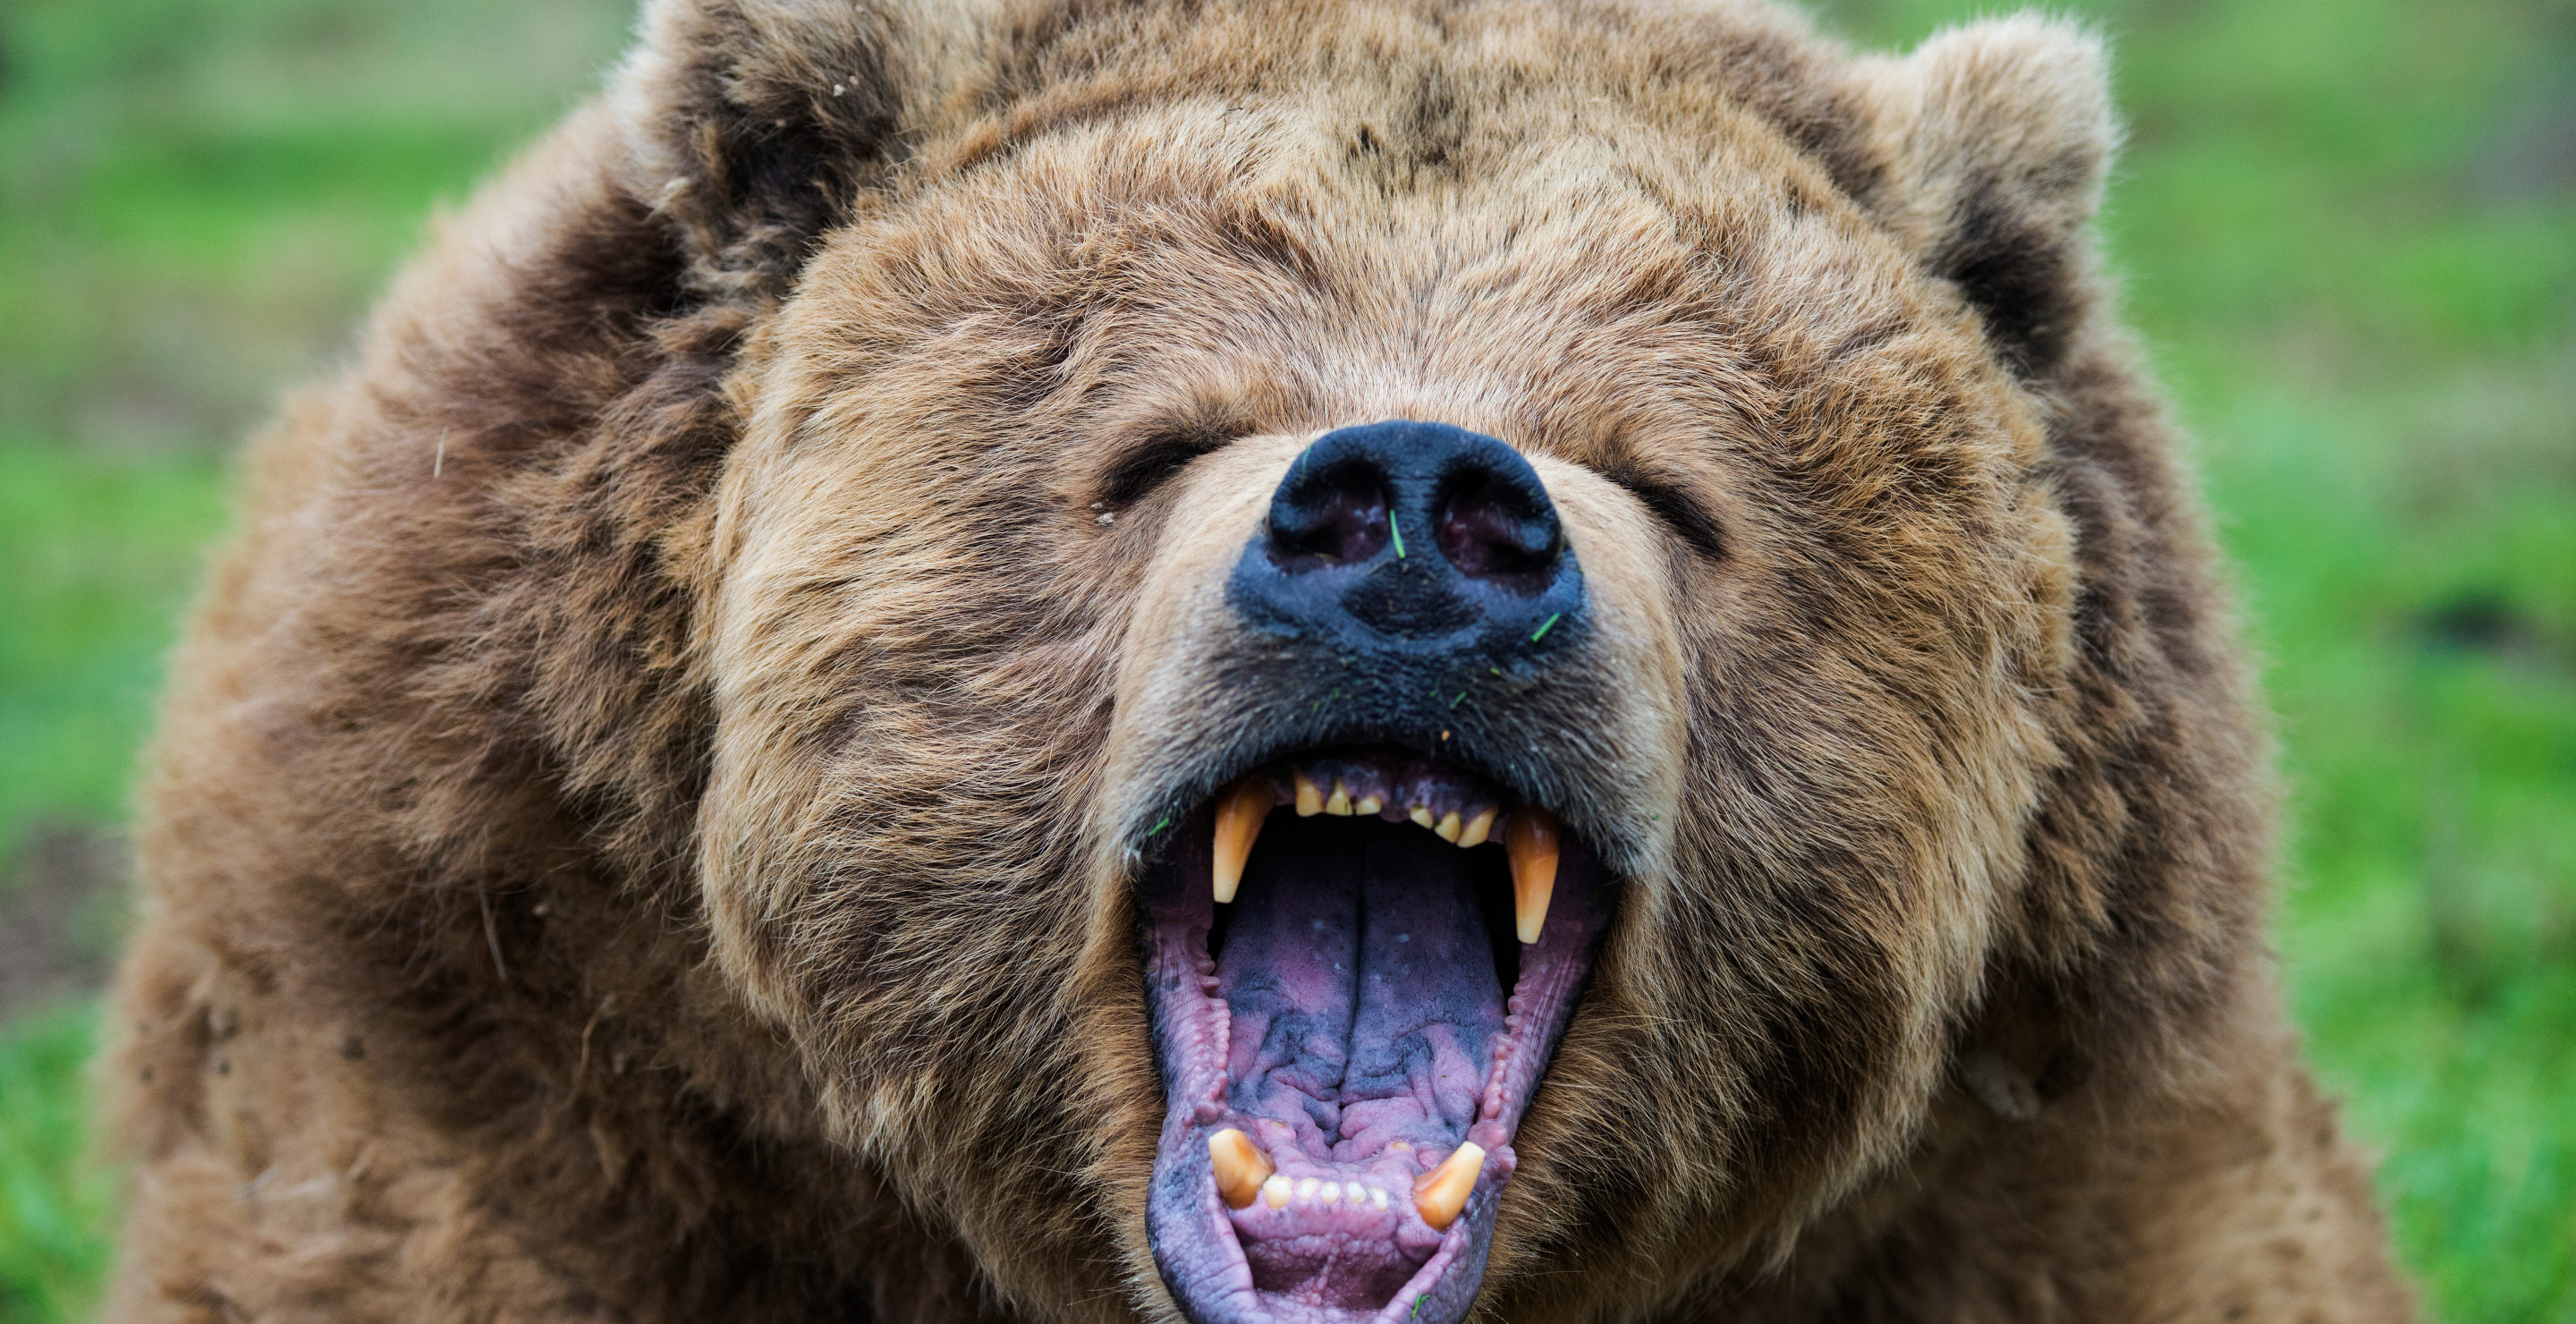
x=1359, y=960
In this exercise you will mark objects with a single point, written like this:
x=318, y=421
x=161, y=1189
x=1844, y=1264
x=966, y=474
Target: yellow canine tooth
x=1239, y=814
x=1421, y=816
x=1531, y=838
x=1338, y=803
x=1441, y=1194
x=1449, y=828
x=1241, y=1167
x=1478, y=828
x=1310, y=801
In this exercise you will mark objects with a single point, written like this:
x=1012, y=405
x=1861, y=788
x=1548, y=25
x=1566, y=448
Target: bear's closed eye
x=1148, y=463
x=1680, y=511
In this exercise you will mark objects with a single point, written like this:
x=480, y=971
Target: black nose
x=1415, y=538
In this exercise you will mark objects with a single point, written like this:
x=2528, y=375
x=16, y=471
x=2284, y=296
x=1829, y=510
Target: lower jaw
x=1301, y=1252
x=1203, y=1257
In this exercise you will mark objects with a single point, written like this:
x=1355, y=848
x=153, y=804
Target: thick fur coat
x=646, y=821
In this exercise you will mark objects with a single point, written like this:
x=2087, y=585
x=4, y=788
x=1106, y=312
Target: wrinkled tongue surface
x=1360, y=972
x=1357, y=1019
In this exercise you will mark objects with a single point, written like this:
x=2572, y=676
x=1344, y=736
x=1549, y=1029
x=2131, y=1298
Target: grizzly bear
x=1236, y=660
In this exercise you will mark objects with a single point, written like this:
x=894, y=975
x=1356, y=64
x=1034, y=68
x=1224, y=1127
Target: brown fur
x=643, y=822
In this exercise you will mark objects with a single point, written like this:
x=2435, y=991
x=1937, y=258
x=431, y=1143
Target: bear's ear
x=753, y=124
x=1997, y=137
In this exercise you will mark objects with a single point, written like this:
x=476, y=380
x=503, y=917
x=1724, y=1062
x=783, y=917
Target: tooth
x=1310, y=801
x=1421, y=816
x=1331, y=1193
x=1442, y=1192
x=1239, y=814
x=1306, y=1190
x=1478, y=828
x=1338, y=803
x=1241, y=1168
x=1367, y=805
x=1377, y=1197
x=1531, y=838
x=1274, y=1192
x=1448, y=828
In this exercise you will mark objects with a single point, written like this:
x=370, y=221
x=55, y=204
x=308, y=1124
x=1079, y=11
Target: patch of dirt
x=2534, y=154
x=2485, y=623
x=62, y=910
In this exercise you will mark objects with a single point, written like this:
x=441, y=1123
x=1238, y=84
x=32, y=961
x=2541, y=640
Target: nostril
x=1494, y=533
x=1415, y=539
x=1337, y=518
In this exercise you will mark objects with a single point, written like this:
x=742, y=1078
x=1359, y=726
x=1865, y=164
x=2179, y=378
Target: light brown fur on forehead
x=1445, y=92
x=1230, y=261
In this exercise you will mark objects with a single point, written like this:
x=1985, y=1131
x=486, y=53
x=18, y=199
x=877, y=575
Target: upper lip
x=1456, y=804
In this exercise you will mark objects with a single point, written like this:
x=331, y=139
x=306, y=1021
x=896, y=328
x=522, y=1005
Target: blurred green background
x=2348, y=229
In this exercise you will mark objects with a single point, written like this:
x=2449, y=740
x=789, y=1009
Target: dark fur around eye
x=1146, y=463
x=1677, y=508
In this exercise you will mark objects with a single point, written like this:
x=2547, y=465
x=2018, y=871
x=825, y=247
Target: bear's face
x=1352, y=719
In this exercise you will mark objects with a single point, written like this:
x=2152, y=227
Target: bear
x=1230, y=661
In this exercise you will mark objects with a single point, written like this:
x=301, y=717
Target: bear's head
x=1361, y=652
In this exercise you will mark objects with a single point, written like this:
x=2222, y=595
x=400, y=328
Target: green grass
x=54, y=1205
x=2348, y=234
x=100, y=551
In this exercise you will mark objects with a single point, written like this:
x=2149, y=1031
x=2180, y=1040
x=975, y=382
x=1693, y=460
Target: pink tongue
x=1358, y=967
